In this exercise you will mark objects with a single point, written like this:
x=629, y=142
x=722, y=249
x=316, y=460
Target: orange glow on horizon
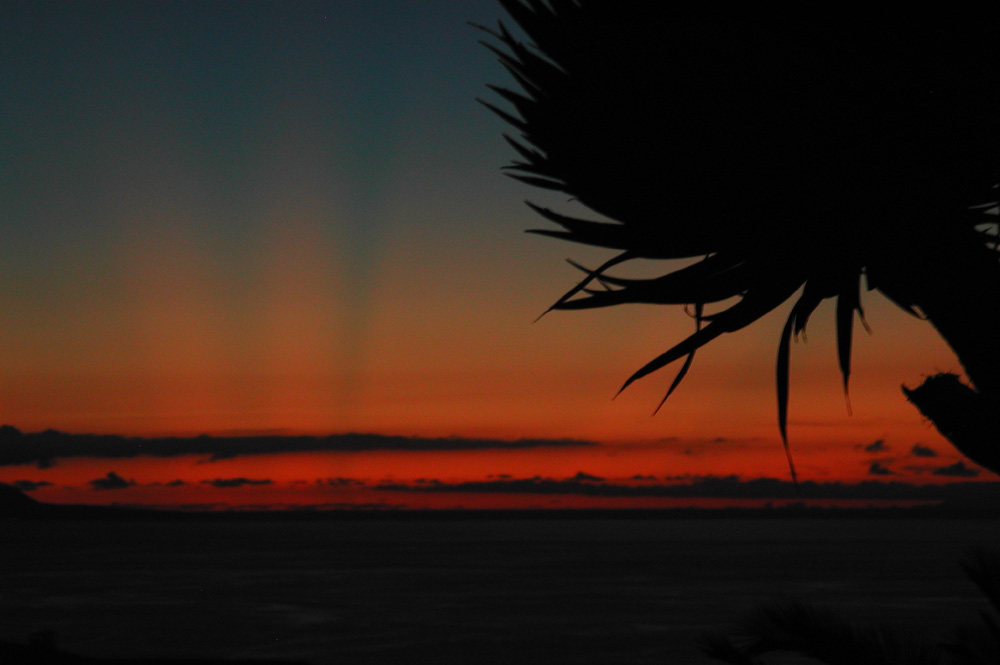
x=276, y=358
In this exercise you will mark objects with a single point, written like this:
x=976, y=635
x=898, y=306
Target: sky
x=261, y=218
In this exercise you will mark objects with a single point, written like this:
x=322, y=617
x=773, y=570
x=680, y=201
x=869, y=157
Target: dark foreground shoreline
x=40, y=654
x=119, y=585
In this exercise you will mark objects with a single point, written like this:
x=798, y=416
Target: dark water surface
x=507, y=591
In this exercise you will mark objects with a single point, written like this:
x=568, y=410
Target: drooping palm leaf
x=781, y=152
x=591, y=276
x=751, y=307
x=699, y=308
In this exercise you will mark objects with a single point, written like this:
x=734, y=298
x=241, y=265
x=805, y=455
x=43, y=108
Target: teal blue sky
x=258, y=216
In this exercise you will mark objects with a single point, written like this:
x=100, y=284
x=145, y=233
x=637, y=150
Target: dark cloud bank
x=44, y=449
x=728, y=487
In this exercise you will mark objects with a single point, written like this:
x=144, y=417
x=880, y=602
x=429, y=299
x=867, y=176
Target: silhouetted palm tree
x=784, y=154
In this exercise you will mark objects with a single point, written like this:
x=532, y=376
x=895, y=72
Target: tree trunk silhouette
x=969, y=417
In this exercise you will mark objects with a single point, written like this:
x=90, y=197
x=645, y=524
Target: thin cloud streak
x=30, y=485
x=228, y=483
x=44, y=449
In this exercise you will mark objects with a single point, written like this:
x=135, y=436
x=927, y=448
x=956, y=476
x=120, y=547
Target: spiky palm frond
x=783, y=153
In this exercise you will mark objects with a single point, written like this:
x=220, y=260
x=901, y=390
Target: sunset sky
x=248, y=218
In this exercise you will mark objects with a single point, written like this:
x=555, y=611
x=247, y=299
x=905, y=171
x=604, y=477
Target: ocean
x=465, y=591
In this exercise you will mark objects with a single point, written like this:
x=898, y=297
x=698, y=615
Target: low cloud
x=957, y=470
x=923, y=451
x=424, y=481
x=877, y=446
x=112, y=481
x=226, y=483
x=879, y=469
x=44, y=449
x=30, y=485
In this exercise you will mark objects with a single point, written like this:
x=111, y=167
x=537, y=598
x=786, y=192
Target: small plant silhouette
x=782, y=157
x=827, y=637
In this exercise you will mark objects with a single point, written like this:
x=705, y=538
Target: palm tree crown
x=786, y=155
